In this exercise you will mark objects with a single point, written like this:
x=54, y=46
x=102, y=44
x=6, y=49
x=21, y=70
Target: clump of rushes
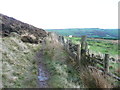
x=94, y=79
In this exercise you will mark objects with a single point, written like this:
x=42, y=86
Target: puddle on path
x=43, y=76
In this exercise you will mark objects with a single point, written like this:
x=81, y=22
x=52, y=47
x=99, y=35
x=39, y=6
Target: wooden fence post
x=78, y=54
x=86, y=46
x=68, y=46
x=106, y=62
x=83, y=44
x=83, y=50
x=63, y=40
x=83, y=40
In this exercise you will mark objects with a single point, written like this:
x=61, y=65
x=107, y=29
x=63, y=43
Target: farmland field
x=100, y=45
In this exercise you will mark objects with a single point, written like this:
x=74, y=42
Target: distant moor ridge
x=10, y=25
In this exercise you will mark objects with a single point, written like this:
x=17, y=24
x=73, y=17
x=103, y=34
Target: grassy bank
x=62, y=70
x=19, y=65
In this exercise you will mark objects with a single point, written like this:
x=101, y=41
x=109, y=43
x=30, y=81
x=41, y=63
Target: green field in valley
x=90, y=32
x=99, y=46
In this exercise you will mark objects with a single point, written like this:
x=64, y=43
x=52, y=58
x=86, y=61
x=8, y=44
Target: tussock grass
x=94, y=79
x=19, y=66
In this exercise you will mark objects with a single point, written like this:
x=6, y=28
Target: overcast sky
x=53, y=14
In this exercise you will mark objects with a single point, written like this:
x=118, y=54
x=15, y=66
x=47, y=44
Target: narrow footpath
x=43, y=73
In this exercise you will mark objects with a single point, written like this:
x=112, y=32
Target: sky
x=59, y=14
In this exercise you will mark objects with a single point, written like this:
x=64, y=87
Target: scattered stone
x=29, y=39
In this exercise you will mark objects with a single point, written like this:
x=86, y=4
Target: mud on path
x=43, y=73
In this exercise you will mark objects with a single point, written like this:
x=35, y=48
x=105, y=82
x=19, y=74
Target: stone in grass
x=29, y=39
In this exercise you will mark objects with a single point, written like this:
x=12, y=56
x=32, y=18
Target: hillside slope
x=19, y=66
x=10, y=24
x=19, y=47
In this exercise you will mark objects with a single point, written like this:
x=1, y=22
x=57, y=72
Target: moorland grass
x=19, y=66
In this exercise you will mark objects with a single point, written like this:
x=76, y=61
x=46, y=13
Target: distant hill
x=90, y=32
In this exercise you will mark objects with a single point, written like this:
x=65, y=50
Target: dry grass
x=19, y=66
x=54, y=48
x=94, y=79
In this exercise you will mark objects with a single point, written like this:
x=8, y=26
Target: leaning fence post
x=106, y=62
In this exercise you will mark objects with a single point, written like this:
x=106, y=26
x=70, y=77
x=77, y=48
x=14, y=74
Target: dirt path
x=43, y=74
